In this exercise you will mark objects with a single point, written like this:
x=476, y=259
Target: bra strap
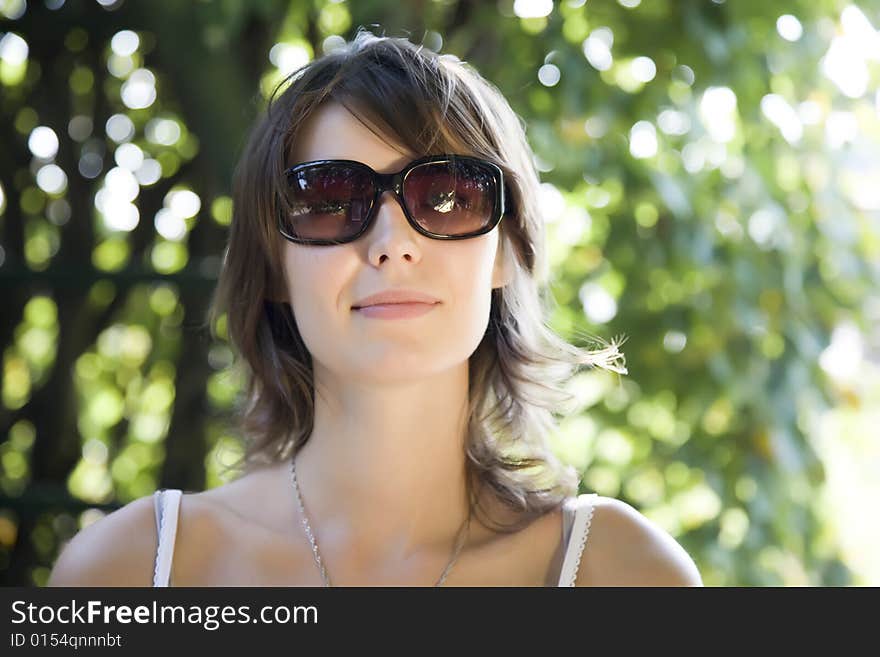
x=166, y=503
x=578, y=515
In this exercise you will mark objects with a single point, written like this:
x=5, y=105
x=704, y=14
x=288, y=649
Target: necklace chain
x=317, y=555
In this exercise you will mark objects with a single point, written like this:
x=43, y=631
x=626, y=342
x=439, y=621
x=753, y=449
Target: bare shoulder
x=117, y=550
x=120, y=548
x=625, y=548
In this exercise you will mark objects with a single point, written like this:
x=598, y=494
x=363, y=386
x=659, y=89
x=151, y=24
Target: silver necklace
x=317, y=555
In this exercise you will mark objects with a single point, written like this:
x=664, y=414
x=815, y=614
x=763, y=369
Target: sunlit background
x=711, y=190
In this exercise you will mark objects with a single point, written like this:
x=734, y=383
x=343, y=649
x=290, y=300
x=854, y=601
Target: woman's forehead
x=331, y=131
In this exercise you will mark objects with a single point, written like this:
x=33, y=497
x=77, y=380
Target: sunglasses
x=444, y=197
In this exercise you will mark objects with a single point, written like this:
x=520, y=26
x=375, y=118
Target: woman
x=401, y=378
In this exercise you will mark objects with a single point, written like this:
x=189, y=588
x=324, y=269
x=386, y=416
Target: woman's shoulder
x=625, y=548
x=116, y=550
x=120, y=548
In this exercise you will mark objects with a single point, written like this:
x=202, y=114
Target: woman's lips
x=395, y=310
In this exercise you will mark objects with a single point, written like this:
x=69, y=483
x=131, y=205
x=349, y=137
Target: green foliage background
x=727, y=244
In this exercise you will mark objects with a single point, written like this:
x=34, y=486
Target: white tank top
x=577, y=514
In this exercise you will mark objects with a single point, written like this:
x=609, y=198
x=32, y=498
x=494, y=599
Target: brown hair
x=431, y=103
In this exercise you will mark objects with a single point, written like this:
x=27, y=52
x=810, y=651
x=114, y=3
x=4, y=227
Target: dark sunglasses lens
x=327, y=201
x=455, y=197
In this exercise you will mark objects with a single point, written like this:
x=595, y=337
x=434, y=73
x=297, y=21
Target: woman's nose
x=390, y=209
x=391, y=233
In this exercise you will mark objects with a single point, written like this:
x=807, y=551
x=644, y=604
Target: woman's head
x=384, y=102
x=324, y=283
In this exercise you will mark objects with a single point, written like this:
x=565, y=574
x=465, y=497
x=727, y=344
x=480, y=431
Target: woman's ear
x=502, y=272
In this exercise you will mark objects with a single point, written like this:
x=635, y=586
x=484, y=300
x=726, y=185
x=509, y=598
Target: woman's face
x=324, y=282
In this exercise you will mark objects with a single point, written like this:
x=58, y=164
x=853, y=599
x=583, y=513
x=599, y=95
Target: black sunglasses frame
x=394, y=182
